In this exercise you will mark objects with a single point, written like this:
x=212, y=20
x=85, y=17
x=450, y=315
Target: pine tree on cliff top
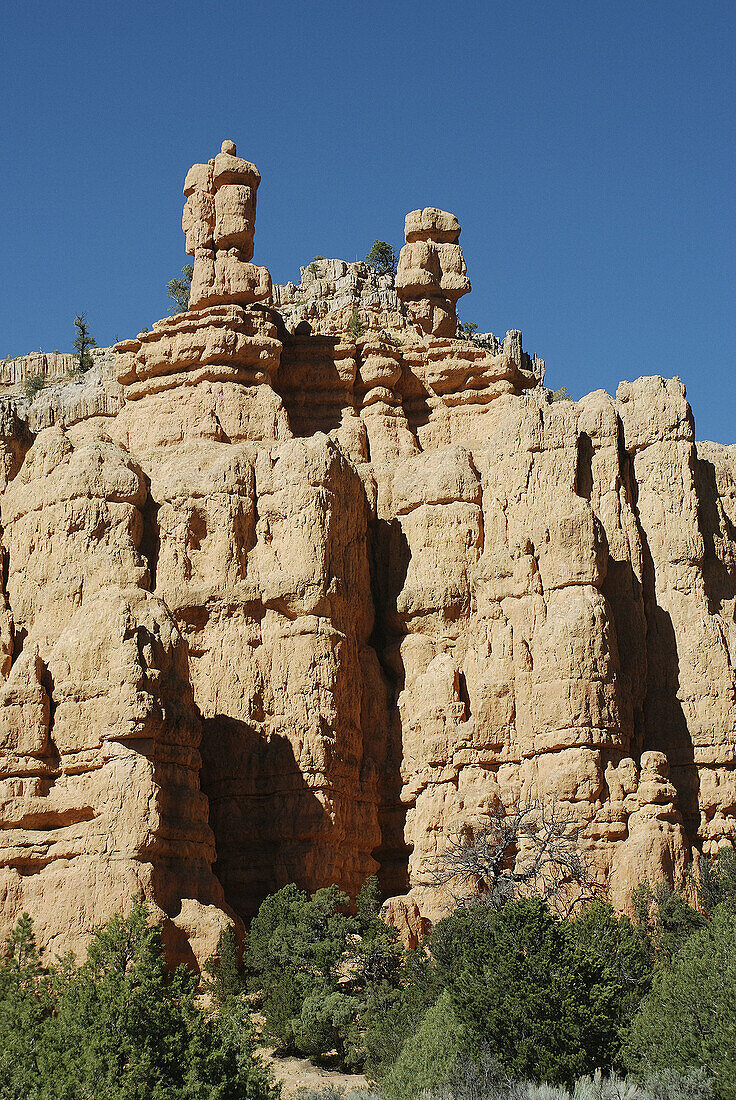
x=83, y=341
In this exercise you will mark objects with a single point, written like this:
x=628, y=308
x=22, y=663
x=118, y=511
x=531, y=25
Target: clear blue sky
x=587, y=149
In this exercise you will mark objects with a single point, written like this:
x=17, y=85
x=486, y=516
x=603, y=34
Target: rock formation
x=219, y=221
x=303, y=601
x=66, y=395
x=332, y=295
x=431, y=275
x=53, y=365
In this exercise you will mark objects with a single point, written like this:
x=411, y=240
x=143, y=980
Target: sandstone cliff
x=289, y=604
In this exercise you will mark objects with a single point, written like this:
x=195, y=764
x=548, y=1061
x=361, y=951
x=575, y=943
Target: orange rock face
x=309, y=601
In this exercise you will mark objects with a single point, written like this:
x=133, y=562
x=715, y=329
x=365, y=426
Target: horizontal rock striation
x=301, y=599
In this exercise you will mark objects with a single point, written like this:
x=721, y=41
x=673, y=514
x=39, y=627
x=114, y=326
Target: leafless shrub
x=527, y=850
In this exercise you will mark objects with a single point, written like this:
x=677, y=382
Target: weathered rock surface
x=431, y=274
x=332, y=294
x=219, y=222
x=295, y=604
x=52, y=364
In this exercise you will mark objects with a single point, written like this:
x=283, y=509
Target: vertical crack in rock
x=150, y=543
x=52, y=756
x=717, y=528
x=584, y=469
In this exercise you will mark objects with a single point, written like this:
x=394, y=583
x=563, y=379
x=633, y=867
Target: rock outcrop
x=332, y=295
x=219, y=221
x=309, y=596
x=52, y=365
x=431, y=274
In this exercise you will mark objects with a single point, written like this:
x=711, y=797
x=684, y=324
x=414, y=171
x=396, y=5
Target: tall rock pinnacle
x=219, y=221
x=432, y=274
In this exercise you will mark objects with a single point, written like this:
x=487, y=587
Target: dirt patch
x=300, y=1073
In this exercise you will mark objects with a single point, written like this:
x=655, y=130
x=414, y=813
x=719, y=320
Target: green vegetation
x=538, y=991
x=667, y=917
x=34, y=384
x=513, y=1000
x=717, y=885
x=428, y=1057
x=83, y=341
x=382, y=259
x=689, y=1017
x=395, y=1010
x=316, y=967
x=180, y=289
x=120, y=1026
x=355, y=328
x=468, y=330
x=504, y=1001
x=561, y=394
x=224, y=972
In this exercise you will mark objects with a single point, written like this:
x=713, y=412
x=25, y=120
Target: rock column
x=219, y=222
x=432, y=275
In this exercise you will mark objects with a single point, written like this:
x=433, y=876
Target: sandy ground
x=300, y=1073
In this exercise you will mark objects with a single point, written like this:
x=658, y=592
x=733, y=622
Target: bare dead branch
x=529, y=849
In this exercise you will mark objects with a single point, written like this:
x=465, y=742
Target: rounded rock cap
x=431, y=224
x=229, y=147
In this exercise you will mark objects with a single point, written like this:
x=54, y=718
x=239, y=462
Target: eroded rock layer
x=298, y=603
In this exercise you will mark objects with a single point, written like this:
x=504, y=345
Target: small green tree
x=295, y=946
x=667, y=917
x=121, y=1026
x=622, y=954
x=329, y=1020
x=180, y=289
x=428, y=1056
x=467, y=329
x=396, y=1007
x=355, y=328
x=561, y=394
x=20, y=959
x=24, y=1012
x=83, y=341
x=318, y=967
x=382, y=258
x=688, y=1020
x=224, y=971
x=527, y=991
x=717, y=885
x=374, y=952
x=34, y=384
